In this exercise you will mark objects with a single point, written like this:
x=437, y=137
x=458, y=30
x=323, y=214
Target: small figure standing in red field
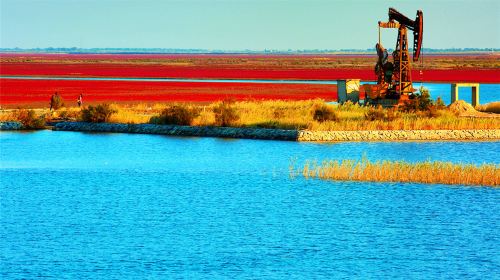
x=80, y=100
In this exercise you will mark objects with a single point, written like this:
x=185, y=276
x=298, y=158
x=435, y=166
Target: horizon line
x=152, y=50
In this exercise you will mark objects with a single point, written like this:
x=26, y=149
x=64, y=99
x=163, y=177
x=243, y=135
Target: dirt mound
x=493, y=107
x=462, y=108
x=465, y=109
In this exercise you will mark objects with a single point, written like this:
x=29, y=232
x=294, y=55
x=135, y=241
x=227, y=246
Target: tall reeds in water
x=427, y=172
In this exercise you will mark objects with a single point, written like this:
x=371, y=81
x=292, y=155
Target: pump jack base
x=387, y=102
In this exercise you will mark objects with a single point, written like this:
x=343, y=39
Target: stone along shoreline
x=274, y=134
x=399, y=135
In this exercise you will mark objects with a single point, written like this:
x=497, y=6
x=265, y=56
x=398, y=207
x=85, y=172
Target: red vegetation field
x=38, y=92
x=438, y=68
x=189, y=72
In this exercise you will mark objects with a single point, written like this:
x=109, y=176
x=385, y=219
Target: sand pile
x=462, y=108
x=465, y=109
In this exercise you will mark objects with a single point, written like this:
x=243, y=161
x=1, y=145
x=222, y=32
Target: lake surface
x=487, y=92
x=87, y=206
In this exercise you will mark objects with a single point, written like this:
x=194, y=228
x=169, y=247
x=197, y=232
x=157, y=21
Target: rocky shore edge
x=272, y=134
x=399, y=135
x=177, y=130
x=10, y=126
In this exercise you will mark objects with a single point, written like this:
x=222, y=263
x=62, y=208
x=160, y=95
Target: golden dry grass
x=298, y=115
x=493, y=107
x=69, y=113
x=129, y=115
x=295, y=115
x=7, y=115
x=124, y=114
x=401, y=171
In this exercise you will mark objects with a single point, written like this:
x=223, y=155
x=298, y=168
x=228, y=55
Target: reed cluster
x=428, y=172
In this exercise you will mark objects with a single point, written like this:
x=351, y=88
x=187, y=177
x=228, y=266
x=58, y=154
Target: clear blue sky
x=239, y=25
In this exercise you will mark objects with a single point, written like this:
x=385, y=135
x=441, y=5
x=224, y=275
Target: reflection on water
x=77, y=205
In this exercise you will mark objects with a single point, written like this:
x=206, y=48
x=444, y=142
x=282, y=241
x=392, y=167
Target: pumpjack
x=394, y=83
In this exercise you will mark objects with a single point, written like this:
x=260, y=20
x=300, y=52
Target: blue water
x=91, y=206
x=487, y=92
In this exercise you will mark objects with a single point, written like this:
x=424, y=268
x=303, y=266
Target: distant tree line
x=195, y=51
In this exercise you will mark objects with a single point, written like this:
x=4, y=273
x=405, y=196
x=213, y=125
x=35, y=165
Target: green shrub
x=323, y=112
x=278, y=125
x=155, y=120
x=225, y=114
x=97, y=114
x=419, y=101
x=425, y=100
x=29, y=120
x=177, y=114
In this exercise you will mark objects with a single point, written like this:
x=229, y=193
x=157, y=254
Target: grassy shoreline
x=313, y=115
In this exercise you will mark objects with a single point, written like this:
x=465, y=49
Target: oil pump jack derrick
x=394, y=83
